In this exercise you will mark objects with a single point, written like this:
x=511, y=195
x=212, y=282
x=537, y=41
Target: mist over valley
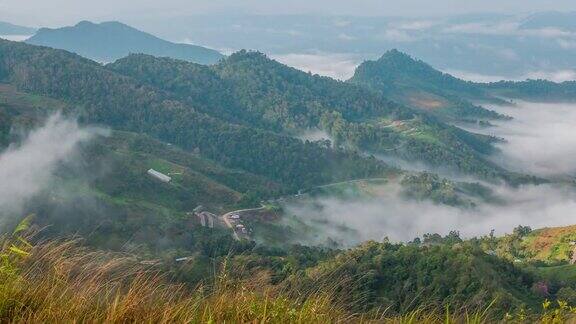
x=303, y=163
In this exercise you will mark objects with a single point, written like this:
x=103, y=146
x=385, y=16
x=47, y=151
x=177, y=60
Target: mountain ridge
x=109, y=41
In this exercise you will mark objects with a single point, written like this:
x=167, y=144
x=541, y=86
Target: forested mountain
x=534, y=90
x=263, y=93
x=102, y=96
x=400, y=277
x=109, y=41
x=558, y=20
x=417, y=84
x=228, y=135
x=11, y=29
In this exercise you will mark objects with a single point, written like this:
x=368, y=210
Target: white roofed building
x=159, y=176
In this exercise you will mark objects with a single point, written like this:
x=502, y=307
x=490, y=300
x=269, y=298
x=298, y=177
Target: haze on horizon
x=60, y=12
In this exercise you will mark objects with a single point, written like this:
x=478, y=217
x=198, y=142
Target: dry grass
x=62, y=282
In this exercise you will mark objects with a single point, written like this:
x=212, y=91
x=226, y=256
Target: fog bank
x=400, y=219
x=28, y=168
x=540, y=139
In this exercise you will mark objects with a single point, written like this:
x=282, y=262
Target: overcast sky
x=54, y=13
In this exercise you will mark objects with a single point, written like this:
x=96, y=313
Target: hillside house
x=159, y=176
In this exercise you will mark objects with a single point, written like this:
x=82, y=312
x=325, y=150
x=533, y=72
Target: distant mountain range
x=109, y=41
x=553, y=19
x=492, y=46
x=11, y=29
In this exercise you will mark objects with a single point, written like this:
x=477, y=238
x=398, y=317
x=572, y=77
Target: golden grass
x=63, y=282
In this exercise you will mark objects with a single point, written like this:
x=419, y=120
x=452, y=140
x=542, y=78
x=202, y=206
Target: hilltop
x=109, y=41
x=417, y=84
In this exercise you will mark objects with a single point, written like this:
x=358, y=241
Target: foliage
x=401, y=278
x=102, y=96
x=252, y=90
x=539, y=90
x=417, y=84
x=61, y=281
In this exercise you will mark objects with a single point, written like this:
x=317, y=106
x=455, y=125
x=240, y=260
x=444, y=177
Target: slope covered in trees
x=405, y=277
x=99, y=95
x=417, y=84
x=109, y=41
x=256, y=91
x=534, y=90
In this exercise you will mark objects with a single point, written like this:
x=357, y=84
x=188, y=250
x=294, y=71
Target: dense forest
x=101, y=96
x=417, y=84
x=538, y=90
x=262, y=93
x=229, y=135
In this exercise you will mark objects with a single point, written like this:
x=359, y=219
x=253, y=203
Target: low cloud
x=28, y=168
x=350, y=222
x=396, y=35
x=314, y=135
x=554, y=76
x=16, y=38
x=337, y=66
x=510, y=28
x=540, y=139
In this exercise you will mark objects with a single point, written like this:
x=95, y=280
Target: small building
x=235, y=216
x=159, y=176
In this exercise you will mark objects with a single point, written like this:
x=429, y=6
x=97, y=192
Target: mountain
x=417, y=84
x=107, y=195
x=124, y=103
x=10, y=29
x=266, y=94
x=229, y=136
x=534, y=90
x=551, y=20
x=109, y=41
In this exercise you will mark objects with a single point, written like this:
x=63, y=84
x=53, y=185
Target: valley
x=238, y=177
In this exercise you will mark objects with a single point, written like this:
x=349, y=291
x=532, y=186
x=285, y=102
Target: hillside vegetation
x=263, y=93
x=101, y=96
x=61, y=281
x=417, y=84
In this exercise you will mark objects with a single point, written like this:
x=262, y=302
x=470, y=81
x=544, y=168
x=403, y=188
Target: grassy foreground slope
x=61, y=281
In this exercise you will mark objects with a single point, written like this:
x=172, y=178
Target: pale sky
x=53, y=13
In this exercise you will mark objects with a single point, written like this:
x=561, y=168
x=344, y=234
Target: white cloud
x=510, y=28
x=541, y=139
x=16, y=38
x=390, y=215
x=28, y=168
x=417, y=25
x=396, y=35
x=555, y=76
x=338, y=66
x=346, y=37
